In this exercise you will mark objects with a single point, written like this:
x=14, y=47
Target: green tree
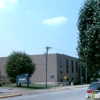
x=19, y=63
x=89, y=37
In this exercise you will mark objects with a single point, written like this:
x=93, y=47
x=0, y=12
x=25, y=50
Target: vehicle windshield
x=95, y=86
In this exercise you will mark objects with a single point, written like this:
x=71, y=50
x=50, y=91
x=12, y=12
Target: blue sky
x=31, y=25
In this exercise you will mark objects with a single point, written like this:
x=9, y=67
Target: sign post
x=22, y=79
x=65, y=77
x=53, y=77
x=55, y=82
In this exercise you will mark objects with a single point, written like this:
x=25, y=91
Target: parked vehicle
x=93, y=92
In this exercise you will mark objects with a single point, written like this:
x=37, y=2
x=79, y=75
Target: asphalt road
x=72, y=94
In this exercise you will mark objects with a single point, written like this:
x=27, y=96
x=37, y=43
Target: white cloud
x=55, y=21
x=13, y=1
x=1, y=4
x=6, y=3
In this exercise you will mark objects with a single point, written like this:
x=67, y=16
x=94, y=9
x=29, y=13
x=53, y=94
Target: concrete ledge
x=67, y=88
x=7, y=96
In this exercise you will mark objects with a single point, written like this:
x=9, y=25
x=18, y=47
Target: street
x=71, y=94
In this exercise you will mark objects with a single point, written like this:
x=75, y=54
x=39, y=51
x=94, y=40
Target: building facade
x=59, y=65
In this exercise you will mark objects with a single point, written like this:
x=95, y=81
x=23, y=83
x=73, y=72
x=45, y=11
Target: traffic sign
x=52, y=76
x=65, y=77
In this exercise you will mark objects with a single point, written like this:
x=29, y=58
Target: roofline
x=48, y=54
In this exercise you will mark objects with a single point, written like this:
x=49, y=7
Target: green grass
x=31, y=86
x=1, y=92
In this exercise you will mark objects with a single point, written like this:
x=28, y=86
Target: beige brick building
x=59, y=65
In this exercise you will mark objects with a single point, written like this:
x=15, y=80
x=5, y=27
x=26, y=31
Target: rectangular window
x=61, y=80
x=67, y=67
x=76, y=67
x=72, y=79
x=72, y=66
x=61, y=65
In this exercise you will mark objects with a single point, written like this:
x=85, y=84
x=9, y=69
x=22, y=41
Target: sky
x=31, y=25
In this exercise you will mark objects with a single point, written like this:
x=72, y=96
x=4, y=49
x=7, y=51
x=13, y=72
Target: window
x=72, y=78
x=67, y=68
x=61, y=69
x=76, y=67
x=95, y=86
x=61, y=80
x=67, y=79
x=72, y=66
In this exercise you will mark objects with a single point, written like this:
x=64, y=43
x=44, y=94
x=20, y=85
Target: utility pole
x=47, y=48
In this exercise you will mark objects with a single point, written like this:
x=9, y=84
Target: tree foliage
x=89, y=36
x=19, y=63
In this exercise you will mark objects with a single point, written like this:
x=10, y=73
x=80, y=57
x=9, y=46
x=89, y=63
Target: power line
x=63, y=50
x=71, y=53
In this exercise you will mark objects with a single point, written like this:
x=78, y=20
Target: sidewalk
x=8, y=92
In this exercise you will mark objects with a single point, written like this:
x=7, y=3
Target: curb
x=65, y=89
x=7, y=96
x=14, y=95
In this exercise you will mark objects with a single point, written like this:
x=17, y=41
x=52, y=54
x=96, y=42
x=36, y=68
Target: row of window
x=67, y=66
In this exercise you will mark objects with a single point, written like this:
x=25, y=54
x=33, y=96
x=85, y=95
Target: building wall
x=2, y=65
x=40, y=73
x=69, y=74
x=52, y=67
x=2, y=69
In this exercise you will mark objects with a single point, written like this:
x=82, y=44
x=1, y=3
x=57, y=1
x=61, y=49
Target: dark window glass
x=95, y=86
x=76, y=67
x=67, y=67
x=72, y=66
x=72, y=78
x=61, y=66
x=61, y=80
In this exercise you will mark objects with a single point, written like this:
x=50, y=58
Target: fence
x=56, y=84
